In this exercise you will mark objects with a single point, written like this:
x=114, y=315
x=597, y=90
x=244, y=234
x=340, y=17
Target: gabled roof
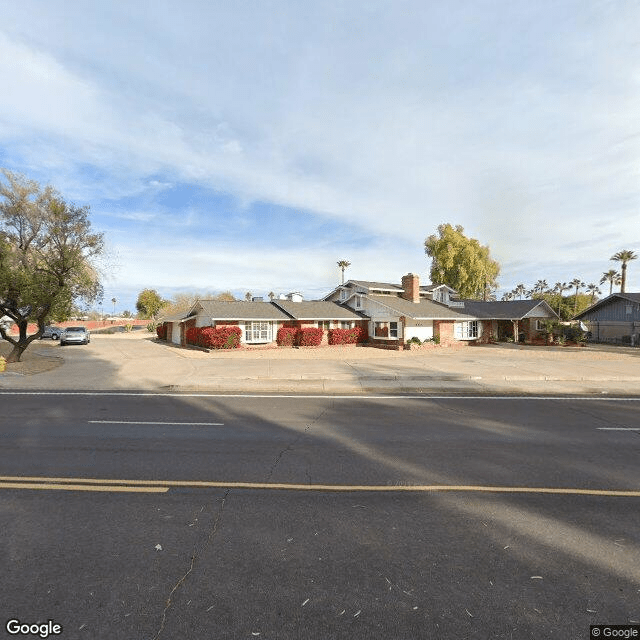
x=631, y=297
x=175, y=317
x=238, y=310
x=381, y=286
x=423, y=310
x=317, y=310
x=432, y=287
x=508, y=309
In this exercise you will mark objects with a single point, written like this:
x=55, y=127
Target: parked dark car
x=75, y=335
x=51, y=332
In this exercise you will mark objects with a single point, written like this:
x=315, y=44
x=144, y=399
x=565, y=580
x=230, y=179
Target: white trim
x=264, y=332
x=467, y=329
x=398, y=329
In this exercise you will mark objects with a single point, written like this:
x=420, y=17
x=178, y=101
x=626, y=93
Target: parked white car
x=75, y=335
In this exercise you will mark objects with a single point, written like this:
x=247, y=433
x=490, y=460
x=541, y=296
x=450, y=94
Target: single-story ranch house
x=391, y=315
x=615, y=318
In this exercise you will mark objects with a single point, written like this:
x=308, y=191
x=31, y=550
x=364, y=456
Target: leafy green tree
x=48, y=254
x=149, y=303
x=461, y=263
x=624, y=257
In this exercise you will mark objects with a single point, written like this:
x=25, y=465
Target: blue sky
x=251, y=145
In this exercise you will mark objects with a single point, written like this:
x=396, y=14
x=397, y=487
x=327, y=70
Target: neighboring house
x=392, y=315
x=400, y=312
x=615, y=318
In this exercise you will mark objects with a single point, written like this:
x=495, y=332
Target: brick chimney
x=411, y=287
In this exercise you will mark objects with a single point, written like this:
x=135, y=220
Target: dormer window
x=358, y=302
x=343, y=295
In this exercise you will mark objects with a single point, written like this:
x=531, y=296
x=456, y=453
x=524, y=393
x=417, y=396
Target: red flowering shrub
x=299, y=336
x=222, y=337
x=192, y=335
x=286, y=336
x=309, y=336
x=348, y=336
x=161, y=330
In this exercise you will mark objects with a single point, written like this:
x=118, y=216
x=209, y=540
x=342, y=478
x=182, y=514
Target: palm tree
x=507, y=296
x=540, y=286
x=114, y=305
x=519, y=291
x=560, y=288
x=343, y=264
x=612, y=277
x=593, y=290
x=624, y=257
x=578, y=284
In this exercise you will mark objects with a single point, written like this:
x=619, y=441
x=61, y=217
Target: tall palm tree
x=593, y=290
x=507, y=296
x=114, y=305
x=560, y=288
x=343, y=264
x=578, y=284
x=624, y=256
x=612, y=277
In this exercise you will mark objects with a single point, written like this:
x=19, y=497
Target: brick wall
x=444, y=330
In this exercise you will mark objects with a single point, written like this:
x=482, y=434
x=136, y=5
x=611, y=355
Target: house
x=398, y=313
x=392, y=314
x=260, y=320
x=615, y=318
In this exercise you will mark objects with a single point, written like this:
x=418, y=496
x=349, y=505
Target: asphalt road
x=157, y=516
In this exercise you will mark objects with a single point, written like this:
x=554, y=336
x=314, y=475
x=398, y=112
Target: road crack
x=194, y=559
x=295, y=441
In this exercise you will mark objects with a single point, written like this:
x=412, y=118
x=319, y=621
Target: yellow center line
x=162, y=486
x=81, y=487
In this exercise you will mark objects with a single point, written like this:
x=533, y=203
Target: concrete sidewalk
x=140, y=362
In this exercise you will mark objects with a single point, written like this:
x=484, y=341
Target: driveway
x=139, y=361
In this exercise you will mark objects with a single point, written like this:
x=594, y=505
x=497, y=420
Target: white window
x=358, y=302
x=466, y=330
x=343, y=294
x=324, y=324
x=257, y=332
x=628, y=309
x=386, y=330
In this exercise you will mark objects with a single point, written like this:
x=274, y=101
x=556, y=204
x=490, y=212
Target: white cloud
x=520, y=125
